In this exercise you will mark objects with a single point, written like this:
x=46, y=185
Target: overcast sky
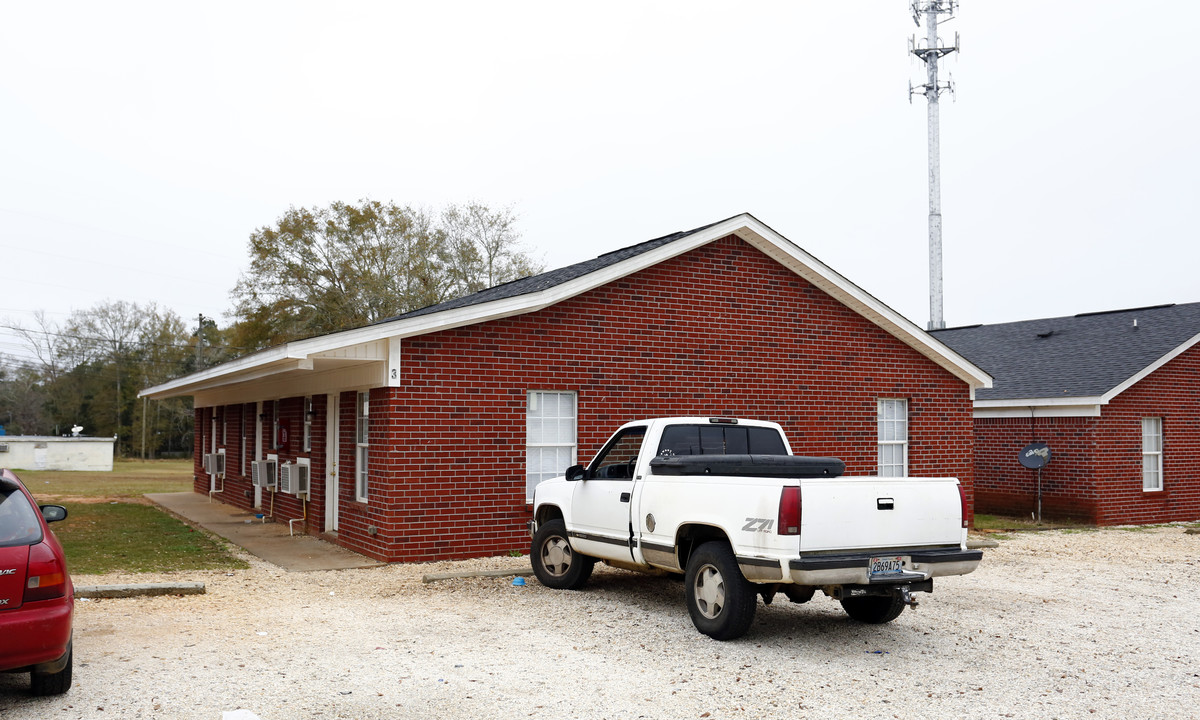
x=142, y=143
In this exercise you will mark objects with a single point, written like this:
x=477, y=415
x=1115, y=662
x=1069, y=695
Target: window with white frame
x=893, y=437
x=308, y=421
x=1152, y=446
x=361, y=445
x=549, y=436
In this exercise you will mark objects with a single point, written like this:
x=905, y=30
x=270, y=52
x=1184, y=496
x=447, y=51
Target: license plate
x=884, y=566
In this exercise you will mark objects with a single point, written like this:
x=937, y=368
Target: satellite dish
x=76, y=430
x=1035, y=456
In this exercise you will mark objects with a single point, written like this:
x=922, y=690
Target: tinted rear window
x=720, y=440
x=19, y=523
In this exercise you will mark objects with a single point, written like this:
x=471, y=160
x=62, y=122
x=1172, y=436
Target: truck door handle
x=624, y=497
x=885, y=503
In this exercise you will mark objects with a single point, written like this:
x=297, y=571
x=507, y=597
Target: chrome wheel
x=556, y=556
x=709, y=592
x=555, y=563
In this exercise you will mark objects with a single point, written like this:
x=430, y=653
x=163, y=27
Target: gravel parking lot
x=1053, y=625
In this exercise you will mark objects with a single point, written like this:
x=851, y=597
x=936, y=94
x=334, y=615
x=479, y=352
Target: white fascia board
x=1181, y=349
x=521, y=304
x=258, y=372
x=1036, y=411
x=178, y=386
x=859, y=300
x=745, y=226
x=1040, y=402
x=244, y=368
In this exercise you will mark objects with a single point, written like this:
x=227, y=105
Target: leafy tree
x=321, y=270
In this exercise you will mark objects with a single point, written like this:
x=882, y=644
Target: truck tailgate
x=861, y=513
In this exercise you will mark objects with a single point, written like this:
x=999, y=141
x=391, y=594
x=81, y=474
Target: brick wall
x=238, y=488
x=1173, y=394
x=1004, y=487
x=1096, y=471
x=722, y=330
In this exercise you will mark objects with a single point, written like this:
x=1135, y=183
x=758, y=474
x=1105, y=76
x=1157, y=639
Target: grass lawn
x=135, y=538
x=129, y=479
x=1001, y=523
x=110, y=527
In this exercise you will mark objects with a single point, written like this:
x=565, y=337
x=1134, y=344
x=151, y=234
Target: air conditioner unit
x=214, y=463
x=262, y=473
x=3, y=447
x=293, y=479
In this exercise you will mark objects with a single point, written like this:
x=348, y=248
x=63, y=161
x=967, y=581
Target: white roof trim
x=1000, y=407
x=745, y=226
x=1041, y=402
x=1043, y=411
x=827, y=279
x=1181, y=349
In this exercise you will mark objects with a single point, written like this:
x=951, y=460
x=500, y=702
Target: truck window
x=618, y=457
x=720, y=440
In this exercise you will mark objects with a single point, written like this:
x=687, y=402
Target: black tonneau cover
x=785, y=466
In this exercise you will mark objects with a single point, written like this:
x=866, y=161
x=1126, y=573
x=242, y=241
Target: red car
x=37, y=599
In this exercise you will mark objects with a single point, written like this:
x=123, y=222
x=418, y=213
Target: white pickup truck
x=725, y=502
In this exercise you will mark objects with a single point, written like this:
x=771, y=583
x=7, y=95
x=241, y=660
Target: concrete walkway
x=269, y=541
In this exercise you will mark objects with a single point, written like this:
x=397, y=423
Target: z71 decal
x=762, y=525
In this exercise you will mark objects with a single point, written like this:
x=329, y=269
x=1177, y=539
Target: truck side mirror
x=575, y=472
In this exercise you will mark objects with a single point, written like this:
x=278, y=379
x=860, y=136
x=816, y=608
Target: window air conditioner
x=293, y=479
x=262, y=473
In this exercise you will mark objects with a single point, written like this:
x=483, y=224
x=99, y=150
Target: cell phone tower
x=931, y=50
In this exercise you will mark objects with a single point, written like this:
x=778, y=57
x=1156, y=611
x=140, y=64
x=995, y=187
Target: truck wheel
x=719, y=598
x=874, y=609
x=554, y=562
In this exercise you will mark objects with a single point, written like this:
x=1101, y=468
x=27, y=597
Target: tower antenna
x=930, y=50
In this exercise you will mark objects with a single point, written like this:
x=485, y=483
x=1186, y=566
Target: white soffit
x=745, y=226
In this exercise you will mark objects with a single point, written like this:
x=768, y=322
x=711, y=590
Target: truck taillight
x=962, y=499
x=47, y=577
x=790, y=511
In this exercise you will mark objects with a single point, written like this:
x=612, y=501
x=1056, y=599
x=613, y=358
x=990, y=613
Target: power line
x=86, y=338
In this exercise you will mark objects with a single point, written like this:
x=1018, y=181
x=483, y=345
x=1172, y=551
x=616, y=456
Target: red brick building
x=425, y=434
x=1116, y=396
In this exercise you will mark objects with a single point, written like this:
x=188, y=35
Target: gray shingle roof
x=551, y=278
x=1086, y=355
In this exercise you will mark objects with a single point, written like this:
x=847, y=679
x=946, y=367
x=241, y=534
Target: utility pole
x=931, y=51
x=200, y=343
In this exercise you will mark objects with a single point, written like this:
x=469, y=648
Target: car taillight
x=47, y=577
x=962, y=499
x=790, y=511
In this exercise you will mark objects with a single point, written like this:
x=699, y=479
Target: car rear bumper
x=37, y=636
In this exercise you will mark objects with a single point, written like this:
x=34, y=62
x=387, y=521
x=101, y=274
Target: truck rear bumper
x=854, y=568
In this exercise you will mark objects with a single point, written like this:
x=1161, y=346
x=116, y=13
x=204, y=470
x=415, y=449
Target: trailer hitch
x=906, y=597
